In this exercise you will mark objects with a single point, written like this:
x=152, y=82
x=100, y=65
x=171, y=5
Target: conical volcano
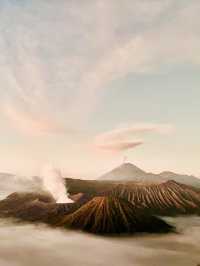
x=111, y=215
x=126, y=171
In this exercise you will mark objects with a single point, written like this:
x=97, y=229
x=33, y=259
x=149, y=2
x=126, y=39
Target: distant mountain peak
x=129, y=164
x=124, y=171
x=130, y=172
x=130, y=167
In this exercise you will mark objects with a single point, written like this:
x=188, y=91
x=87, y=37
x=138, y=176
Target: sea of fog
x=39, y=245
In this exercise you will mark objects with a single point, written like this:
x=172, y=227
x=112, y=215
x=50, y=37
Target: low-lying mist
x=23, y=245
x=12, y=183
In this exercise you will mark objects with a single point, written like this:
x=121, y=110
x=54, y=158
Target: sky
x=84, y=84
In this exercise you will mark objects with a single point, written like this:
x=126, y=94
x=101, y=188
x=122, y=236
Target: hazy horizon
x=92, y=176
x=85, y=83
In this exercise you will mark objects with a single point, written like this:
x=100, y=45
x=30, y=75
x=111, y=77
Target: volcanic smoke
x=55, y=184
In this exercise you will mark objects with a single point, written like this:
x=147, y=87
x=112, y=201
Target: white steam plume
x=55, y=184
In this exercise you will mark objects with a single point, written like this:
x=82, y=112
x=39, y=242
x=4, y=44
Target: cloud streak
x=123, y=138
x=33, y=125
x=118, y=146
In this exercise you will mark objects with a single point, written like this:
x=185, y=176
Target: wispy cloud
x=118, y=146
x=124, y=138
x=31, y=124
x=57, y=63
x=150, y=50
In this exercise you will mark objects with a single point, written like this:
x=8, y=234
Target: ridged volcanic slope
x=111, y=215
x=169, y=198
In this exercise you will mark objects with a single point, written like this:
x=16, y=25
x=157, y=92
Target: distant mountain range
x=130, y=172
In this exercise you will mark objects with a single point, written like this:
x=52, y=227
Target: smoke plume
x=55, y=184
